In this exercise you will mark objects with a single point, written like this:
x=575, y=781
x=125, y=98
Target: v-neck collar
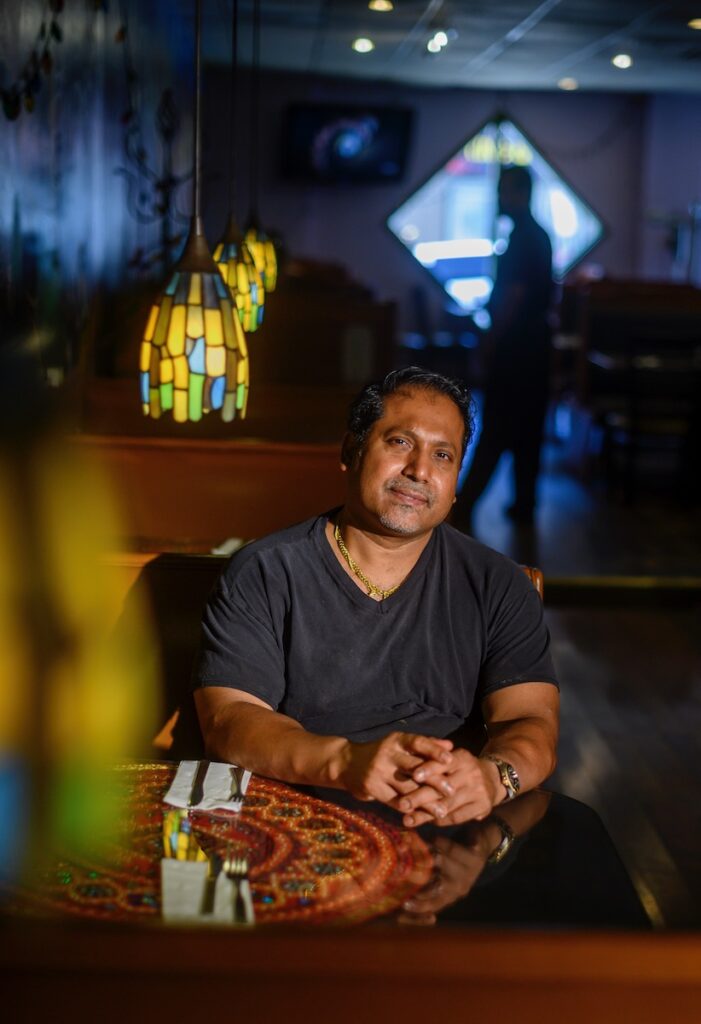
x=358, y=596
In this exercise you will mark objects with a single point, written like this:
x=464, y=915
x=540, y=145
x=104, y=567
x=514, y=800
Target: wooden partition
x=639, y=378
x=70, y=973
x=622, y=320
x=188, y=495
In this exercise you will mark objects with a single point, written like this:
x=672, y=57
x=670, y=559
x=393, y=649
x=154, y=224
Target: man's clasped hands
x=425, y=779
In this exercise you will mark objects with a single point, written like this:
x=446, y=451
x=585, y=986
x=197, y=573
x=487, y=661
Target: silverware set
x=234, y=864
x=235, y=867
x=198, y=780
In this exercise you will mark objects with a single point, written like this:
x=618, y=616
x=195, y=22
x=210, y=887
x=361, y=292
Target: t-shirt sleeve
x=517, y=646
x=239, y=645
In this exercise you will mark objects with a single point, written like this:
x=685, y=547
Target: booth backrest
x=189, y=495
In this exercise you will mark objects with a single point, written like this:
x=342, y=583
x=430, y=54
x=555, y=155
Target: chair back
x=535, y=576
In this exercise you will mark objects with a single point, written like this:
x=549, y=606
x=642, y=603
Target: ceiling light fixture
x=363, y=45
x=695, y=23
x=622, y=61
x=568, y=84
x=193, y=354
x=440, y=38
x=381, y=5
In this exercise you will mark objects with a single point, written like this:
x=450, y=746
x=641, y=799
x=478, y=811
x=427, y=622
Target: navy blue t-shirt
x=287, y=624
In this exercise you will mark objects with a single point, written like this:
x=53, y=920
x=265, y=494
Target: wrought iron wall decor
x=21, y=94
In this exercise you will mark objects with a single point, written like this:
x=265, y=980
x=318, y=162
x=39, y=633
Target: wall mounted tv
x=330, y=144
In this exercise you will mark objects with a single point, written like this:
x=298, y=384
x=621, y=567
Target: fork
x=236, y=870
x=236, y=780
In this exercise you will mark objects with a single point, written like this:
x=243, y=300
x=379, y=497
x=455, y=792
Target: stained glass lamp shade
x=243, y=277
x=263, y=252
x=194, y=357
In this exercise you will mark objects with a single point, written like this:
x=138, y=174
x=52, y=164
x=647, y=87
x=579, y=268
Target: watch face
x=513, y=777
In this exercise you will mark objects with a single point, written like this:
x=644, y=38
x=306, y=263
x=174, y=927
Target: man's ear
x=348, y=451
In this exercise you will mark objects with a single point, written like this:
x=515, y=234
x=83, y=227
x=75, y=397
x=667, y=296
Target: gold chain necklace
x=373, y=589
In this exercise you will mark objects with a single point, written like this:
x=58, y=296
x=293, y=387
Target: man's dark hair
x=368, y=406
x=520, y=179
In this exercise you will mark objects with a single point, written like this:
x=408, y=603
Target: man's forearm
x=269, y=743
x=529, y=744
x=243, y=730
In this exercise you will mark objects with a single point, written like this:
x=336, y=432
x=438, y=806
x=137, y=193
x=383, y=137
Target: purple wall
x=671, y=183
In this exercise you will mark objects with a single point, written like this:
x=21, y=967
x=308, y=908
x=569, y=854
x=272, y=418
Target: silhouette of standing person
x=516, y=357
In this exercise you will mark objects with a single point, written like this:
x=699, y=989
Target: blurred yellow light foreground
x=73, y=700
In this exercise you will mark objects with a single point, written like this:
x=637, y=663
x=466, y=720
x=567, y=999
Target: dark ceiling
x=496, y=44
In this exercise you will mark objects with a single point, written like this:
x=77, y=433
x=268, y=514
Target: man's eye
x=444, y=455
x=397, y=440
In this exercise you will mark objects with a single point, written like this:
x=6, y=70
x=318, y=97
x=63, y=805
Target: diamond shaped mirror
x=450, y=224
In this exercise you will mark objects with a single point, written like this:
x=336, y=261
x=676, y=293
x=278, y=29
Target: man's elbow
x=551, y=761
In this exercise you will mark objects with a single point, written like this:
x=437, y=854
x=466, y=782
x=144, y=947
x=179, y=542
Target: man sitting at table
x=343, y=652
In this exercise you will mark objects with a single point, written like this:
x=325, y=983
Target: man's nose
x=417, y=466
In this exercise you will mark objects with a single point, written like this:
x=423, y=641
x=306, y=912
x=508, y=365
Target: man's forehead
x=421, y=407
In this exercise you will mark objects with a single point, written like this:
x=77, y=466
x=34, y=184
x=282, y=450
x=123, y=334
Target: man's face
x=404, y=477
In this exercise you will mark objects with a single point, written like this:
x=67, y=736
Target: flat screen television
x=330, y=144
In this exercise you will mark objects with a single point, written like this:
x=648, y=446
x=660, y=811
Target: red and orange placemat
x=309, y=860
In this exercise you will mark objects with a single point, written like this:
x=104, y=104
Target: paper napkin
x=216, y=790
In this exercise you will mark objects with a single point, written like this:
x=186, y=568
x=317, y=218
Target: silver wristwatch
x=507, y=774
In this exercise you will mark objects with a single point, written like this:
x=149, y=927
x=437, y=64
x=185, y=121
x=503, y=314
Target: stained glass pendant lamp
x=232, y=255
x=259, y=243
x=194, y=357
x=242, y=276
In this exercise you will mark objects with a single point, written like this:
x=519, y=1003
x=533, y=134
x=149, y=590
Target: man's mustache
x=413, y=489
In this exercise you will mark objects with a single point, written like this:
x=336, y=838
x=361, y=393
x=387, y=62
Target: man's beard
x=391, y=523
x=394, y=520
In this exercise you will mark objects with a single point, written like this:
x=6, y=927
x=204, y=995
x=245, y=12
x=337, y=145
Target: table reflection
x=307, y=856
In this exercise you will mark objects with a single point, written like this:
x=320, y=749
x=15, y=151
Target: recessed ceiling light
x=622, y=60
x=441, y=38
x=363, y=45
x=381, y=5
x=433, y=46
x=695, y=23
x=568, y=84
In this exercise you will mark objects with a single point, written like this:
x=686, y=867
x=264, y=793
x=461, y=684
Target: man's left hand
x=466, y=790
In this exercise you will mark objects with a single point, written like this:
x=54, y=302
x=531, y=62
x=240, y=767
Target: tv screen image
x=327, y=143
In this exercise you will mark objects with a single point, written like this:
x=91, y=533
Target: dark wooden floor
x=623, y=603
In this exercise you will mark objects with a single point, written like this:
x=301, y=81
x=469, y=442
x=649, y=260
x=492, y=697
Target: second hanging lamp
x=232, y=255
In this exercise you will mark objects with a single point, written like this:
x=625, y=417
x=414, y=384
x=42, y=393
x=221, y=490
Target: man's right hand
x=381, y=770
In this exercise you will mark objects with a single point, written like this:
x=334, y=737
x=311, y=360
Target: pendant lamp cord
x=233, y=108
x=196, y=130
x=255, y=106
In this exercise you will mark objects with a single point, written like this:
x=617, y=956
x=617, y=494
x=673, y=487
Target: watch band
x=508, y=838
x=507, y=774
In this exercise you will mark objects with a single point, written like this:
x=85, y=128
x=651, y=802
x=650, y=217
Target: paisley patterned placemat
x=309, y=860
